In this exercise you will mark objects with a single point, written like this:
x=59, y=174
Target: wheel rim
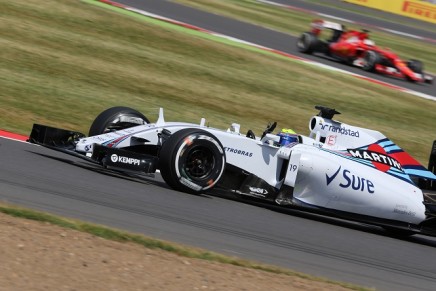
x=199, y=163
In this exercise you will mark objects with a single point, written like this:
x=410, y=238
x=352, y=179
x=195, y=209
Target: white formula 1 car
x=339, y=170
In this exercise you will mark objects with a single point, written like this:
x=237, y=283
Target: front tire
x=371, y=59
x=116, y=118
x=416, y=66
x=192, y=160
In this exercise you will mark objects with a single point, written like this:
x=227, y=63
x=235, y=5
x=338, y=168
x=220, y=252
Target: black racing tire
x=416, y=66
x=371, y=59
x=109, y=120
x=307, y=43
x=192, y=160
x=398, y=232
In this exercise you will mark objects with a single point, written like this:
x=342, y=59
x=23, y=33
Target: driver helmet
x=287, y=136
x=369, y=42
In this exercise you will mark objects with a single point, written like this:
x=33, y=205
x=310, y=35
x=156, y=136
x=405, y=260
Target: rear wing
x=432, y=160
x=430, y=184
x=318, y=25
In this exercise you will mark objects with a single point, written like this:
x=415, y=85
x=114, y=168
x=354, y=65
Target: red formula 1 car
x=355, y=48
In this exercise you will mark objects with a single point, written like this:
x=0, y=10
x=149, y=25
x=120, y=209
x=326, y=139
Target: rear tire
x=371, y=59
x=397, y=232
x=307, y=43
x=109, y=120
x=192, y=160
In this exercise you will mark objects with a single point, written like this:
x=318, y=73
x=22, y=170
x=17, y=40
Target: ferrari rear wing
x=318, y=25
x=321, y=24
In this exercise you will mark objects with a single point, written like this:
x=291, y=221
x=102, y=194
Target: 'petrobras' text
x=238, y=152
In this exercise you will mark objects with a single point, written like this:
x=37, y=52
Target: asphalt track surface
x=277, y=40
x=43, y=179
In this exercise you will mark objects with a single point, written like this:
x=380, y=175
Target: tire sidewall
x=305, y=43
x=173, y=170
x=371, y=59
x=416, y=66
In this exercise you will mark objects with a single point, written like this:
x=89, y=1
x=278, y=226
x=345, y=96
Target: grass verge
x=125, y=237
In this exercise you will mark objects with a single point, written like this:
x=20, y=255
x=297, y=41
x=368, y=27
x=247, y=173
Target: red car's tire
x=416, y=66
x=307, y=43
x=370, y=61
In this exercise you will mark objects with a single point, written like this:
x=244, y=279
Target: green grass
x=63, y=62
x=295, y=22
x=126, y=237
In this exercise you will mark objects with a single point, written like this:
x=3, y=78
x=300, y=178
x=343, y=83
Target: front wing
x=110, y=158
